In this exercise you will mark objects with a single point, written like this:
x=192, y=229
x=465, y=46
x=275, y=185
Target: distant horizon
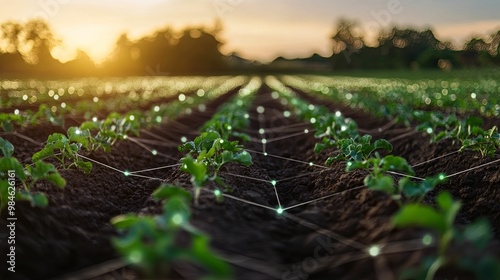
x=289, y=29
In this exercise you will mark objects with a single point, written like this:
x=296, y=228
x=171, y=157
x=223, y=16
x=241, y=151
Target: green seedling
x=486, y=142
x=152, y=242
x=16, y=182
x=441, y=220
x=206, y=155
x=359, y=148
x=66, y=150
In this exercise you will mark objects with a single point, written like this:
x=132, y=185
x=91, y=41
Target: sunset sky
x=256, y=29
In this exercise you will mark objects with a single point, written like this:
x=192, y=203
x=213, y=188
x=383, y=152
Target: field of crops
x=242, y=177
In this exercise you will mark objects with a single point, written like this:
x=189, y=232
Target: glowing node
x=154, y=152
x=229, y=127
x=273, y=182
x=63, y=105
x=156, y=108
x=311, y=164
x=94, y=119
x=78, y=132
x=265, y=154
x=217, y=192
x=429, y=130
x=286, y=114
x=313, y=120
x=126, y=173
x=374, y=250
x=338, y=114
x=473, y=95
x=131, y=117
x=16, y=112
x=96, y=99
x=221, y=141
x=260, y=110
x=343, y=128
x=306, y=131
x=184, y=139
x=275, y=95
x=280, y=210
x=247, y=116
x=264, y=141
x=182, y=97
x=177, y=219
x=442, y=177
x=427, y=239
x=262, y=131
x=310, y=107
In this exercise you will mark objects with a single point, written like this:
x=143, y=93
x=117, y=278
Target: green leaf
x=6, y=147
x=201, y=254
x=479, y=233
x=7, y=126
x=39, y=200
x=124, y=221
x=166, y=191
x=244, y=158
x=196, y=169
x=8, y=163
x=85, y=166
x=420, y=215
x=382, y=144
x=380, y=183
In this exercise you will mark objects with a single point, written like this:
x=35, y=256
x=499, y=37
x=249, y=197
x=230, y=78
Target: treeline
x=25, y=50
x=399, y=48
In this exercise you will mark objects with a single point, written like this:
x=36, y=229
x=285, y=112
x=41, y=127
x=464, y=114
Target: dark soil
x=326, y=239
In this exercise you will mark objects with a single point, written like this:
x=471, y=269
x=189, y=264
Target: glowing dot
x=374, y=251
x=125, y=136
x=56, y=97
x=349, y=163
x=338, y=114
x=131, y=117
x=246, y=116
x=286, y=114
x=16, y=112
x=78, y=132
x=157, y=108
x=51, y=93
x=177, y=219
x=280, y=210
x=135, y=256
x=158, y=119
x=126, y=173
x=221, y=141
x=427, y=239
x=154, y=152
x=182, y=97
x=229, y=127
x=53, y=109
x=184, y=139
x=63, y=105
x=313, y=120
x=96, y=99
x=429, y=130
x=310, y=107
x=264, y=141
x=25, y=97
x=260, y=109
x=343, y=128
x=275, y=95
x=185, y=166
x=306, y=131
x=311, y=164
x=473, y=95
x=200, y=93
x=442, y=177
x=262, y=131
x=273, y=182
x=265, y=154
x=217, y=192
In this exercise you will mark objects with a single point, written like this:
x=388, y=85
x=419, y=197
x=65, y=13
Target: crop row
x=359, y=152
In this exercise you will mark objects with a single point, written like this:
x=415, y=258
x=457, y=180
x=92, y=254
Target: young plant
x=65, y=149
x=486, y=142
x=11, y=168
x=359, y=148
x=206, y=155
x=441, y=219
x=152, y=242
